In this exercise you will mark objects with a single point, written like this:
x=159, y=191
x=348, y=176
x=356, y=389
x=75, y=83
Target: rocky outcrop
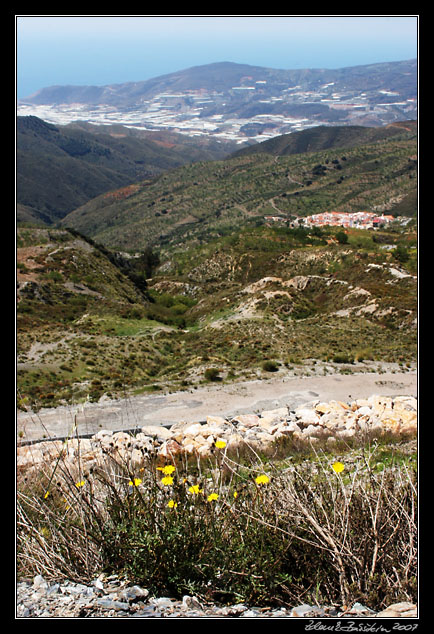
x=313, y=422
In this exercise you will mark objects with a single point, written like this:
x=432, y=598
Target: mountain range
x=238, y=101
x=227, y=77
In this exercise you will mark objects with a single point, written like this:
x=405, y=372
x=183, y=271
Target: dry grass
x=229, y=528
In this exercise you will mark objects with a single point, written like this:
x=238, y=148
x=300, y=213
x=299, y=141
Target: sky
x=100, y=50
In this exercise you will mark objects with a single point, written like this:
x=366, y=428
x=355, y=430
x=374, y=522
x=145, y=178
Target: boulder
x=307, y=416
x=274, y=415
x=216, y=421
x=399, y=610
x=169, y=449
x=156, y=431
x=247, y=420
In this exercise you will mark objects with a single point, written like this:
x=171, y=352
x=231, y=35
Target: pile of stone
x=110, y=597
x=313, y=422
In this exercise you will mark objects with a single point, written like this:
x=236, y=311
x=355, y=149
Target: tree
x=342, y=237
x=401, y=253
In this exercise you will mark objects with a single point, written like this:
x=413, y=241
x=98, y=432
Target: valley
x=157, y=263
x=247, y=307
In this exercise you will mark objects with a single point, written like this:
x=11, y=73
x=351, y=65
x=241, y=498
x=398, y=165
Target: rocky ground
x=109, y=597
x=214, y=399
x=315, y=421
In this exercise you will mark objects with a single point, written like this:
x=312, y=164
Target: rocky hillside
x=93, y=322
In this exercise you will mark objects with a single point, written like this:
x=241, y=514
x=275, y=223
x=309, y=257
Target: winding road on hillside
x=217, y=399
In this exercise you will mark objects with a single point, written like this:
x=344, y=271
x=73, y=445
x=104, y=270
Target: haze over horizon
x=102, y=50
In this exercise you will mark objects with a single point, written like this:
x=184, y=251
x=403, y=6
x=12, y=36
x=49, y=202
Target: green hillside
x=170, y=282
x=326, y=137
x=60, y=168
x=258, y=302
x=192, y=204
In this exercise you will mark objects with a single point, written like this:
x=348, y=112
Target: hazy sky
x=99, y=50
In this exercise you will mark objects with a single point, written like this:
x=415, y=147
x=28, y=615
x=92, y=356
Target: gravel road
x=224, y=400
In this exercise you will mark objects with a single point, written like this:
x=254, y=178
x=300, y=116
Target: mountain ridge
x=213, y=75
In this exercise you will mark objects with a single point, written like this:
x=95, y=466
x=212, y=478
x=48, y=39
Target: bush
x=342, y=358
x=228, y=529
x=270, y=366
x=342, y=237
x=212, y=374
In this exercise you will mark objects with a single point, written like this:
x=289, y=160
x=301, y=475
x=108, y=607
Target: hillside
x=205, y=200
x=326, y=137
x=262, y=301
x=60, y=168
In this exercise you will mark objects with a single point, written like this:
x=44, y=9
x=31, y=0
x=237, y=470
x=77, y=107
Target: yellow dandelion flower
x=235, y=494
x=167, y=480
x=220, y=444
x=46, y=495
x=79, y=484
x=168, y=469
x=262, y=479
x=195, y=489
x=338, y=467
x=172, y=504
x=135, y=482
x=212, y=497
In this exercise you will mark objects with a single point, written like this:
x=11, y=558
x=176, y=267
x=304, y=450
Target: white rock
x=216, y=421
x=102, y=434
x=193, y=430
x=312, y=430
x=274, y=415
x=307, y=416
x=156, y=431
x=247, y=420
x=364, y=411
x=289, y=428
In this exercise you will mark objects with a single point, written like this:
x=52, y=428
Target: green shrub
x=270, y=366
x=212, y=374
x=341, y=357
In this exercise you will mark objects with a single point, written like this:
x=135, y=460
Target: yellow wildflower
x=262, y=479
x=79, y=484
x=135, y=483
x=167, y=480
x=172, y=504
x=235, y=494
x=212, y=496
x=46, y=495
x=195, y=489
x=338, y=467
x=220, y=444
x=167, y=470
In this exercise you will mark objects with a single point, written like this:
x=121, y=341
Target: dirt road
x=219, y=399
